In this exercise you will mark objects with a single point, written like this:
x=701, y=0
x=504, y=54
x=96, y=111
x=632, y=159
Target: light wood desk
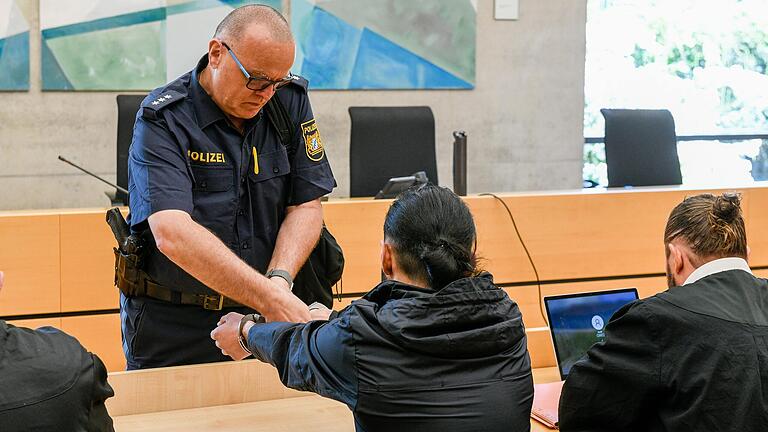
x=304, y=413
x=307, y=413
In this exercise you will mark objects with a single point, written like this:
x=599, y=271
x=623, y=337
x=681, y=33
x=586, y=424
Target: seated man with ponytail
x=692, y=358
x=435, y=347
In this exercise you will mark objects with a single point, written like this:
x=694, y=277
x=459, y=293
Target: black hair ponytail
x=433, y=234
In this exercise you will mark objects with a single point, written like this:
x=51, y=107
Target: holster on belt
x=129, y=277
x=133, y=281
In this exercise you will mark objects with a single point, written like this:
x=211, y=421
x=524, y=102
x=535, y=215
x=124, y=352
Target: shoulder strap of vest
x=281, y=121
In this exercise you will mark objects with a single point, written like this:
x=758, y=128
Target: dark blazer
x=693, y=358
x=412, y=359
x=48, y=382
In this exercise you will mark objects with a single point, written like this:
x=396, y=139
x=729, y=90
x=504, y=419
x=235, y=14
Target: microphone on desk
x=460, y=163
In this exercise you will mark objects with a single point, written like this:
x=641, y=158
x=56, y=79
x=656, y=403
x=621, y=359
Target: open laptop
x=576, y=321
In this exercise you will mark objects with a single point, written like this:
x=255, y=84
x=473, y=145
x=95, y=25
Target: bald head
x=234, y=25
x=253, y=42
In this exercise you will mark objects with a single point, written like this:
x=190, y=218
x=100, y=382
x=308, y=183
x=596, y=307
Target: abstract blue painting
x=385, y=44
x=14, y=44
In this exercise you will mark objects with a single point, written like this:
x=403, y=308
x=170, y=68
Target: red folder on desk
x=546, y=398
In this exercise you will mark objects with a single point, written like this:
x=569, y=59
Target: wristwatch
x=281, y=274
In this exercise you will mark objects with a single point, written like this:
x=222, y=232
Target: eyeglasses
x=260, y=83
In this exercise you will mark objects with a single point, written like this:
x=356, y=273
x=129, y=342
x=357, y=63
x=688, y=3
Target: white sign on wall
x=506, y=9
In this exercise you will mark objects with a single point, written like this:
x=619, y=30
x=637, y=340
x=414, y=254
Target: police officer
x=228, y=212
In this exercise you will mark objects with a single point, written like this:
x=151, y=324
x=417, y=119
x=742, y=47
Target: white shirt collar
x=717, y=266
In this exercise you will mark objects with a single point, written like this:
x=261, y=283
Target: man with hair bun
x=692, y=358
x=437, y=347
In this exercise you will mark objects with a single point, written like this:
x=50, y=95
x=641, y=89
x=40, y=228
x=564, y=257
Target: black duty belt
x=206, y=301
x=132, y=281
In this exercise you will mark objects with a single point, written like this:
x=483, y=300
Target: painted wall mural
x=341, y=44
x=15, y=16
x=385, y=44
x=125, y=45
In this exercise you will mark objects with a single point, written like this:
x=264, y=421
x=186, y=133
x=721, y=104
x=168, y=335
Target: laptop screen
x=577, y=321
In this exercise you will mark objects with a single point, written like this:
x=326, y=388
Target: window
x=706, y=62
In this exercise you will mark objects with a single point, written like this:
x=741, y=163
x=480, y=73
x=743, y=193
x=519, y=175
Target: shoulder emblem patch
x=312, y=142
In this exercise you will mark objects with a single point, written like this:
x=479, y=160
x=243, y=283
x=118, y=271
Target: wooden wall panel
x=646, y=287
x=358, y=227
x=37, y=323
x=540, y=347
x=756, y=213
x=87, y=263
x=29, y=257
x=498, y=246
x=99, y=334
x=604, y=233
x=339, y=305
x=569, y=234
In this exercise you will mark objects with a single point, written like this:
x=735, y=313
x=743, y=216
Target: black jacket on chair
x=411, y=359
x=693, y=358
x=48, y=382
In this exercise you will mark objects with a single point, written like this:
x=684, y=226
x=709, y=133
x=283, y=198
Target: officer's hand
x=285, y=307
x=226, y=337
x=280, y=282
x=318, y=311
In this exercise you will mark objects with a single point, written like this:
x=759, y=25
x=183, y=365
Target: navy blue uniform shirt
x=185, y=155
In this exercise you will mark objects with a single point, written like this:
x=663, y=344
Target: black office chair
x=388, y=142
x=641, y=148
x=127, y=107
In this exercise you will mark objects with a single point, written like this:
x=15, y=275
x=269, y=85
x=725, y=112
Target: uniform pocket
x=210, y=179
x=215, y=199
x=270, y=165
x=270, y=185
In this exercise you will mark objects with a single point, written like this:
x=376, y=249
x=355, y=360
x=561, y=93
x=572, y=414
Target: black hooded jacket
x=411, y=359
x=48, y=382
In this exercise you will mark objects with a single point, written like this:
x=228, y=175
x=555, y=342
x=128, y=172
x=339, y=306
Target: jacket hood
x=468, y=318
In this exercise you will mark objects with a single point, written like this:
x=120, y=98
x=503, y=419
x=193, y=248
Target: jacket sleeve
x=318, y=356
x=615, y=385
x=99, y=419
